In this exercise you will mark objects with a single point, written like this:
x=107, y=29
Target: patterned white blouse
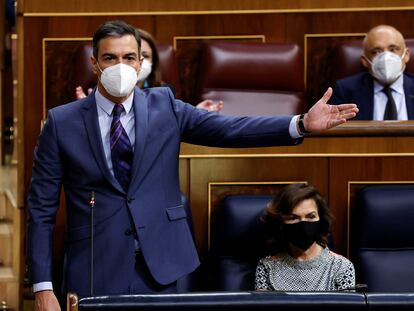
x=328, y=271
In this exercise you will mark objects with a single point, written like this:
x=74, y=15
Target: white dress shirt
x=380, y=99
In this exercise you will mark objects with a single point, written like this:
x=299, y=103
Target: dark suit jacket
x=70, y=153
x=359, y=89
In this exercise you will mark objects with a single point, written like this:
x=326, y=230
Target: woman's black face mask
x=302, y=234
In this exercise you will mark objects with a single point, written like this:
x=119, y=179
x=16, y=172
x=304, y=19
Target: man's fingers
x=347, y=111
x=348, y=115
x=345, y=106
x=326, y=96
x=337, y=122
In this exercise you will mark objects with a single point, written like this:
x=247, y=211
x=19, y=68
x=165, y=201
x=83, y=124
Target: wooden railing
x=10, y=241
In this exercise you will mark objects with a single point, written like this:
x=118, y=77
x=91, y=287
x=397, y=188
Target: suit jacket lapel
x=365, y=97
x=141, y=128
x=409, y=95
x=90, y=119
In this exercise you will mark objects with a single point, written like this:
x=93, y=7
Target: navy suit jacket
x=359, y=89
x=70, y=153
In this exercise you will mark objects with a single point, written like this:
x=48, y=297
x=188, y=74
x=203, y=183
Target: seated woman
x=299, y=221
x=150, y=73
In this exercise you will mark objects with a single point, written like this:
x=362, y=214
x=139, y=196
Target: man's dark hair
x=114, y=29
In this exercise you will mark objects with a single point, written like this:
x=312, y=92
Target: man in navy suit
x=122, y=144
x=385, y=56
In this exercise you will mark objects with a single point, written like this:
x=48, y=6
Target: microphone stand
x=92, y=205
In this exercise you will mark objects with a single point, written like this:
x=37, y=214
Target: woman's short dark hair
x=283, y=204
x=114, y=29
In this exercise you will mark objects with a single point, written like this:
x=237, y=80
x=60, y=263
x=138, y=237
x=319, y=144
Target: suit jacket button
x=129, y=200
x=128, y=232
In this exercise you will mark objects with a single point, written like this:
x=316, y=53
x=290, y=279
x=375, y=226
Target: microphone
x=358, y=288
x=92, y=205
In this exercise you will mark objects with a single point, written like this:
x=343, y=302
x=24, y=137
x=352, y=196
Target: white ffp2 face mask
x=387, y=67
x=145, y=70
x=119, y=80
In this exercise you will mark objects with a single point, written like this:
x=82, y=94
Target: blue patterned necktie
x=121, y=149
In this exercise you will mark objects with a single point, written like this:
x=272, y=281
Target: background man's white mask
x=387, y=67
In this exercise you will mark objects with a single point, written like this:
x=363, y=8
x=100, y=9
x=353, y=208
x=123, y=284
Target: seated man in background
x=384, y=92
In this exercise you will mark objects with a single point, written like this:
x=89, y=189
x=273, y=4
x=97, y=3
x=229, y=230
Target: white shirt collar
x=397, y=86
x=108, y=106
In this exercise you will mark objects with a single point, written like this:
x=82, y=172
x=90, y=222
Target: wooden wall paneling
x=298, y=24
x=76, y=6
x=85, y=26
x=32, y=97
x=3, y=25
x=317, y=145
x=19, y=152
x=3, y=78
x=270, y=25
x=185, y=183
x=58, y=83
x=250, y=169
x=189, y=33
x=354, y=22
x=11, y=235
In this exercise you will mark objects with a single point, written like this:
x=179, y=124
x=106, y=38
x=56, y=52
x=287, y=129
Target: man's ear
x=364, y=62
x=407, y=55
x=94, y=63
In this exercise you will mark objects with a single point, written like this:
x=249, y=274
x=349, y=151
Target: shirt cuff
x=37, y=287
x=293, y=129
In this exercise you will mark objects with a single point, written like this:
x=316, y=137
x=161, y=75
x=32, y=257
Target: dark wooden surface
x=80, y=6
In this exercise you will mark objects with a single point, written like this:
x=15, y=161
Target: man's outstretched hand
x=323, y=116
